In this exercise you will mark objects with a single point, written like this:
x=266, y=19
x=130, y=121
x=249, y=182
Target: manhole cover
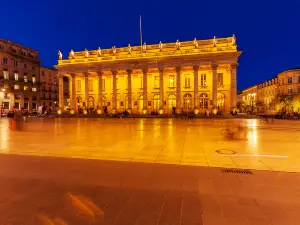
x=239, y=171
x=225, y=151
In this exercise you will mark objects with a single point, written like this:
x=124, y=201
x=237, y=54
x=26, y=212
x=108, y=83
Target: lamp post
x=2, y=98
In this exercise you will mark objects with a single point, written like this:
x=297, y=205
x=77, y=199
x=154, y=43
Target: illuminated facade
x=192, y=75
x=267, y=93
x=19, y=76
x=48, y=87
x=248, y=96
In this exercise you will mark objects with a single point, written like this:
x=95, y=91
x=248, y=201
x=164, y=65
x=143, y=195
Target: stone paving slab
x=51, y=190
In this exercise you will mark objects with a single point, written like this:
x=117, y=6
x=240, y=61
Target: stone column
x=178, y=90
x=145, y=91
x=196, y=86
x=233, y=85
x=114, y=75
x=214, y=85
x=61, y=92
x=86, y=90
x=129, y=98
x=161, y=87
x=73, y=93
x=100, y=97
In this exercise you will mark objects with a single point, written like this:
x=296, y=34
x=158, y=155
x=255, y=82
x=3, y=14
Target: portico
x=157, y=78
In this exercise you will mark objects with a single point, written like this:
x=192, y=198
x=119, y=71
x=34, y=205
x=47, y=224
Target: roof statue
x=99, y=52
x=215, y=42
x=177, y=45
x=160, y=46
x=144, y=47
x=114, y=50
x=196, y=43
x=72, y=54
x=233, y=39
x=86, y=53
x=129, y=49
x=60, y=55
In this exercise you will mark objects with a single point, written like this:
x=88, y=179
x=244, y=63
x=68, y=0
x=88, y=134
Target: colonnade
x=73, y=102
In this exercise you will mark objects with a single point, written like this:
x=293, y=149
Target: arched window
x=187, y=101
x=203, y=101
x=171, y=101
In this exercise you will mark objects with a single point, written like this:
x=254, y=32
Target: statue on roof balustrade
x=233, y=41
x=160, y=46
x=72, y=54
x=196, y=43
x=60, y=55
x=144, y=47
x=86, y=53
x=99, y=52
x=177, y=45
x=129, y=49
x=215, y=42
x=114, y=50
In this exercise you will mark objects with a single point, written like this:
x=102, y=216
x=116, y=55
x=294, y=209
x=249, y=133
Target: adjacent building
x=48, y=87
x=24, y=83
x=191, y=75
x=19, y=76
x=281, y=92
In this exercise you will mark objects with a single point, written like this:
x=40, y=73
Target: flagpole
x=141, y=36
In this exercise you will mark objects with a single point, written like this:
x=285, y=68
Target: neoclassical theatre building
x=191, y=76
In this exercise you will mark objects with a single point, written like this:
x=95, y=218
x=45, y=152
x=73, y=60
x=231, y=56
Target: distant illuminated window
x=16, y=86
x=90, y=84
x=25, y=78
x=25, y=88
x=171, y=81
x=34, y=89
x=203, y=80
x=33, y=79
x=187, y=81
x=16, y=76
x=156, y=81
x=220, y=78
x=78, y=85
x=290, y=80
x=5, y=74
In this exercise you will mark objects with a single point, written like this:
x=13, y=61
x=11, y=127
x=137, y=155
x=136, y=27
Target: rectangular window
x=5, y=61
x=290, y=91
x=5, y=75
x=15, y=63
x=156, y=81
x=78, y=85
x=33, y=68
x=25, y=78
x=103, y=84
x=298, y=79
x=141, y=82
x=171, y=81
x=16, y=76
x=203, y=80
x=33, y=79
x=220, y=78
x=290, y=80
x=298, y=89
x=33, y=105
x=6, y=105
x=16, y=86
x=34, y=89
x=187, y=81
x=25, y=88
x=25, y=66
x=91, y=85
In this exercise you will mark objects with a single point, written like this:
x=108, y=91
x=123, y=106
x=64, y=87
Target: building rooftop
x=17, y=44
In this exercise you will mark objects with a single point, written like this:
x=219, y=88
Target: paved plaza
x=149, y=171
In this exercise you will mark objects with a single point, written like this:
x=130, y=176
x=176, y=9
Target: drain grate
x=239, y=171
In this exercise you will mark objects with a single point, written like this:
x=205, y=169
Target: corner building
x=189, y=75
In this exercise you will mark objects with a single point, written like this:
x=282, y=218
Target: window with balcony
x=290, y=80
x=171, y=81
x=187, y=81
x=15, y=63
x=156, y=81
x=203, y=80
x=290, y=90
x=16, y=87
x=33, y=79
x=78, y=85
x=220, y=78
x=25, y=78
x=90, y=85
x=5, y=75
x=34, y=89
x=5, y=61
x=16, y=76
x=25, y=88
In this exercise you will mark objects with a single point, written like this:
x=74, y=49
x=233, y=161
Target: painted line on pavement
x=250, y=155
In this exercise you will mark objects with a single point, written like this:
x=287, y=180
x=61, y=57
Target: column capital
x=178, y=69
x=114, y=72
x=86, y=74
x=129, y=71
x=234, y=65
x=145, y=70
x=60, y=75
x=196, y=67
x=214, y=66
x=73, y=75
x=99, y=73
x=161, y=69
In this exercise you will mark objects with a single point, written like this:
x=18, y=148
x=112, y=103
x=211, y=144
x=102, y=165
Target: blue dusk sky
x=267, y=30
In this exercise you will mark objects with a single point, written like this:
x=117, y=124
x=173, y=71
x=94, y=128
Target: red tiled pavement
x=35, y=189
